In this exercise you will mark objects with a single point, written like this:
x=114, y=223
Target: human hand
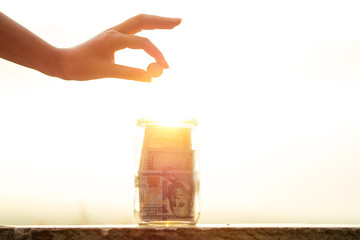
x=94, y=59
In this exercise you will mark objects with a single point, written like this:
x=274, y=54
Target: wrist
x=56, y=63
x=49, y=62
x=65, y=65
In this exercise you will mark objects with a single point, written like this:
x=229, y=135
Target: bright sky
x=275, y=86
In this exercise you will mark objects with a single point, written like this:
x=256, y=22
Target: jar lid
x=149, y=121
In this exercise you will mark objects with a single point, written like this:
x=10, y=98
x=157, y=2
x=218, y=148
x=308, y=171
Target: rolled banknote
x=167, y=196
x=166, y=176
x=167, y=159
x=164, y=138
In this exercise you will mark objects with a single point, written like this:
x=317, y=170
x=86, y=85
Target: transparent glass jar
x=167, y=172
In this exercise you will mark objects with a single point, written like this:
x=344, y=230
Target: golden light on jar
x=167, y=172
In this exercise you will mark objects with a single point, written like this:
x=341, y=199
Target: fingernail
x=178, y=20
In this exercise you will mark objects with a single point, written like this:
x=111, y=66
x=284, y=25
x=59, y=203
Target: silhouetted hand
x=95, y=58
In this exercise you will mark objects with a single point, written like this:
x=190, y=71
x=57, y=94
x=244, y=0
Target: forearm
x=19, y=45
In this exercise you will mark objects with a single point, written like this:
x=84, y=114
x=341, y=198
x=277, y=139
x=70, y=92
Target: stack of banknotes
x=166, y=177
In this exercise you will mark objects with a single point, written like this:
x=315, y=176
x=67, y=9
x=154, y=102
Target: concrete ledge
x=199, y=232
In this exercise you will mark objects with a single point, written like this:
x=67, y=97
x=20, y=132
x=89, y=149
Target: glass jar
x=167, y=172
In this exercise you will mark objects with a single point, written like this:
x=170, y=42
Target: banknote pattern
x=166, y=177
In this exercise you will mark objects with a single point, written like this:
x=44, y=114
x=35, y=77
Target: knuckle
x=146, y=40
x=107, y=37
x=140, y=19
x=109, y=33
x=140, y=16
x=147, y=43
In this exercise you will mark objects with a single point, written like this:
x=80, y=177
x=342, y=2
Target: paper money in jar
x=167, y=172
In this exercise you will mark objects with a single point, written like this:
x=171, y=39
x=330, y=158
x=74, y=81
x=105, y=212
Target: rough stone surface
x=6, y=233
x=202, y=232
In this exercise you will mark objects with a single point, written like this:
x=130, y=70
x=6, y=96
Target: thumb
x=129, y=73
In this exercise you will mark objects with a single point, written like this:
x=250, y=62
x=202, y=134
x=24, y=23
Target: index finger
x=146, y=22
